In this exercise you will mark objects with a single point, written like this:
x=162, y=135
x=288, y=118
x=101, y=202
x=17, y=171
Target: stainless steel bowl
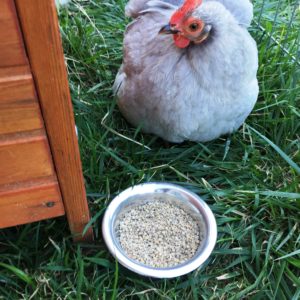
x=139, y=194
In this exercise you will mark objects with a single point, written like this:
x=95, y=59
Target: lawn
x=250, y=180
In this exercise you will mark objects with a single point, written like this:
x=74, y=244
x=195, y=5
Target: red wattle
x=181, y=41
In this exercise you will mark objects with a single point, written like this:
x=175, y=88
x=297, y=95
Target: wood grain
x=19, y=108
x=14, y=73
x=31, y=203
x=20, y=116
x=14, y=88
x=40, y=28
x=24, y=160
x=29, y=190
x=11, y=46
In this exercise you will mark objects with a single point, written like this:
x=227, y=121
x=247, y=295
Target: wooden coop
x=40, y=167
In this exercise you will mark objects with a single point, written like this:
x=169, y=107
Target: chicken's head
x=185, y=27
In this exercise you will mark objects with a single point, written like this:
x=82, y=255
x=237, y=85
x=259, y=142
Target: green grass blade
x=19, y=273
x=116, y=279
x=92, y=221
x=289, y=255
x=278, y=150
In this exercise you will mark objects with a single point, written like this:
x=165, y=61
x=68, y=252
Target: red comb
x=188, y=5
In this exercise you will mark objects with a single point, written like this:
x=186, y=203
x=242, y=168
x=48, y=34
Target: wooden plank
x=19, y=108
x=14, y=73
x=28, y=184
x=29, y=204
x=16, y=86
x=24, y=159
x=20, y=116
x=40, y=28
x=12, y=51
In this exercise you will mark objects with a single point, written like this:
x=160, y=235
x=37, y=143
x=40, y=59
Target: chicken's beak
x=168, y=29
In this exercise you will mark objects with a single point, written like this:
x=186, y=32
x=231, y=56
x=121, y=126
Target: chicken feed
x=159, y=234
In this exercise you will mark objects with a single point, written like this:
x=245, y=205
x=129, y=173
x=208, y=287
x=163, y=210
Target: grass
x=251, y=181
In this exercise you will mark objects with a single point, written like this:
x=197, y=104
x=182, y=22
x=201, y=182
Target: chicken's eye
x=194, y=26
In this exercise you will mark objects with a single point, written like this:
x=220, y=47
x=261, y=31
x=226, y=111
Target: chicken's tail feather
x=118, y=81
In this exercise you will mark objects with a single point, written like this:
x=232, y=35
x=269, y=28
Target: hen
x=189, y=68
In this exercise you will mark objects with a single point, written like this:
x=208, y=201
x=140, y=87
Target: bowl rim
x=170, y=272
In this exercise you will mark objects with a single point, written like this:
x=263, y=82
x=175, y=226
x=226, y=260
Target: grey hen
x=196, y=86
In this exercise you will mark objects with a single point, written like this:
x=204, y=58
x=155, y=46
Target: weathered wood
x=40, y=28
x=11, y=46
x=25, y=157
x=23, y=204
x=19, y=108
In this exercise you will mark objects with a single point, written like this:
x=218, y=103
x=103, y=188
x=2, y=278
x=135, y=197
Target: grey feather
x=197, y=93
